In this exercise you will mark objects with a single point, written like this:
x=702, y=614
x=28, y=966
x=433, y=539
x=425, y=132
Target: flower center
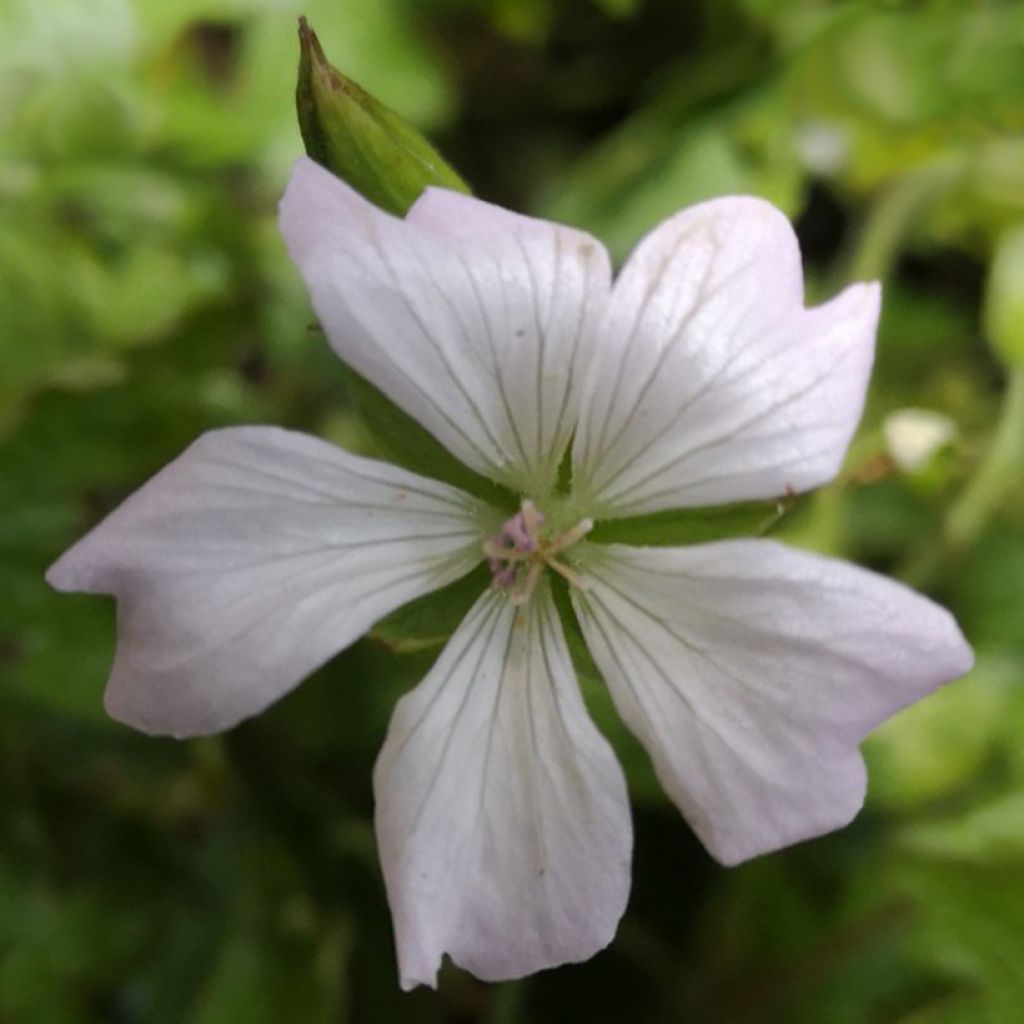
x=519, y=551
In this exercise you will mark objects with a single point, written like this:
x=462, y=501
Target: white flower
x=751, y=672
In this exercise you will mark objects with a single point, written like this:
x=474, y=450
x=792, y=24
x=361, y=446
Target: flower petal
x=474, y=320
x=751, y=672
x=249, y=561
x=714, y=384
x=502, y=814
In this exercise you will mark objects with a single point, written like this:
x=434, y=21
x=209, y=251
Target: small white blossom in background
x=823, y=147
x=914, y=436
x=751, y=672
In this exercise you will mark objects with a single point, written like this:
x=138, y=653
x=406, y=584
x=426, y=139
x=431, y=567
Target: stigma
x=519, y=552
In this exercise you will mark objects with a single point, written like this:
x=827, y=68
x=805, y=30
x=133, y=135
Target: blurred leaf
x=990, y=833
x=941, y=746
x=256, y=982
x=969, y=928
x=56, y=945
x=620, y=8
x=404, y=441
x=694, y=525
x=64, y=34
x=989, y=586
x=428, y=622
x=680, y=168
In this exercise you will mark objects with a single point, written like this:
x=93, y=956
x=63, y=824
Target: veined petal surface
x=502, y=816
x=474, y=320
x=249, y=561
x=751, y=672
x=714, y=384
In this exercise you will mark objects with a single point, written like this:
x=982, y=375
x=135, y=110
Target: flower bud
x=1004, y=298
x=914, y=436
x=359, y=139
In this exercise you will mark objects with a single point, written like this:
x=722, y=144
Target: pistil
x=519, y=552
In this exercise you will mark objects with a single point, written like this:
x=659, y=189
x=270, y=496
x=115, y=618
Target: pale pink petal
x=502, y=814
x=714, y=384
x=474, y=320
x=249, y=561
x=751, y=672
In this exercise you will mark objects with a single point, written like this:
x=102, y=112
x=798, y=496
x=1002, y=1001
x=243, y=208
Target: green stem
x=892, y=217
x=999, y=473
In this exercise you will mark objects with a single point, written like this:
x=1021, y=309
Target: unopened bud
x=359, y=139
x=914, y=436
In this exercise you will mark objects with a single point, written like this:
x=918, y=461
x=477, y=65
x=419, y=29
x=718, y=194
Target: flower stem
x=999, y=473
x=894, y=214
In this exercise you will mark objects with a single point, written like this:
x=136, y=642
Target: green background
x=145, y=297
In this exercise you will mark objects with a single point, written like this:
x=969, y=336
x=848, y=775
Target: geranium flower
x=749, y=671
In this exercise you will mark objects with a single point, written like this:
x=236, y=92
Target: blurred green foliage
x=145, y=297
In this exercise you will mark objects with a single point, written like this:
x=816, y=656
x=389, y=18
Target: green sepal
x=428, y=622
x=359, y=139
x=402, y=440
x=695, y=525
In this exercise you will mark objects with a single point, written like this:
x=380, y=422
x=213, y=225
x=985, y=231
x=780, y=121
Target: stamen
x=532, y=520
x=518, y=553
x=566, y=573
x=497, y=551
x=532, y=576
x=570, y=537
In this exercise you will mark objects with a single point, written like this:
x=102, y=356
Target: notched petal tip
x=873, y=293
x=132, y=700
x=502, y=816
x=410, y=984
x=314, y=207
x=752, y=672
x=252, y=559
x=860, y=303
x=954, y=656
x=733, y=849
x=118, y=705
x=716, y=383
x=963, y=658
x=410, y=978
x=61, y=576
x=306, y=174
x=472, y=319
x=82, y=569
x=739, y=207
